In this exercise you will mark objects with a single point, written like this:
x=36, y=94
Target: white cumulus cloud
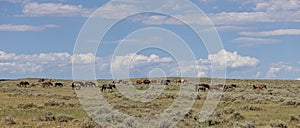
x=280, y=32
x=23, y=28
x=276, y=5
x=251, y=41
x=88, y=58
x=114, y=11
x=135, y=60
x=233, y=59
x=55, y=9
x=38, y=63
x=276, y=68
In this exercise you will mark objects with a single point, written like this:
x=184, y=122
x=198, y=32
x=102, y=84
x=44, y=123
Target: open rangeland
x=39, y=105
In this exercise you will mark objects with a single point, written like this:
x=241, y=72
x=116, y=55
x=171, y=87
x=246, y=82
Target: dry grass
x=278, y=105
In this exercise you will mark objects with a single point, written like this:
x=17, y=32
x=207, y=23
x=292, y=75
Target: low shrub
x=27, y=105
x=228, y=111
x=54, y=103
x=244, y=125
x=131, y=123
x=294, y=119
x=89, y=123
x=278, y=124
x=251, y=108
x=48, y=116
x=292, y=102
x=73, y=105
x=63, y=118
x=66, y=97
x=214, y=121
x=8, y=120
x=237, y=116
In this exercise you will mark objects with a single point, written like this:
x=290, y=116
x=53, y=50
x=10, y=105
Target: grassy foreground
x=276, y=106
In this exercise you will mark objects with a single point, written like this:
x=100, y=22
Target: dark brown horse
x=23, y=84
x=47, y=84
x=58, y=85
x=203, y=87
x=108, y=86
x=229, y=86
x=146, y=81
x=259, y=86
x=41, y=80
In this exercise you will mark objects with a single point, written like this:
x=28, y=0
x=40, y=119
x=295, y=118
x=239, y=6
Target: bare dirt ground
x=56, y=107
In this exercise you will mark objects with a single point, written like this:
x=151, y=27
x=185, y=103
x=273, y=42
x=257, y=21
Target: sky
x=251, y=39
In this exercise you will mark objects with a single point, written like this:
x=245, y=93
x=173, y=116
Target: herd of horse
x=205, y=87
x=74, y=85
x=78, y=85
x=46, y=84
x=110, y=86
x=164, y=82
x=147, y=81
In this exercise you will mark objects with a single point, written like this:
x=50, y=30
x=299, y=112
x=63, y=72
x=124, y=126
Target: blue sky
x=260, y=38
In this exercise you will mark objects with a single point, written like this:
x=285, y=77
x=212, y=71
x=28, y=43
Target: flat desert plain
x=277, y=105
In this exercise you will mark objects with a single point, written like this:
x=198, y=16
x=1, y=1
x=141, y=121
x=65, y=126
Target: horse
x=202, y=87
x=165, y=82
x=118, y=81
x=58, y=85
x=90, y=84
x=139, y=82
x=181, y=81
x=125, y=82
x=154, y=81
x=217, y=87
x=47, y=84
x=146, y=81
x=23, y=84
x=77, y=85
x=41, y=80
x=259, y=86
x=230, y=86
x=108, y=86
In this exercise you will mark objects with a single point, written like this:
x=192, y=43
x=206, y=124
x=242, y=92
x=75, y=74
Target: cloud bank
x=23, y=28
x=139, y=65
